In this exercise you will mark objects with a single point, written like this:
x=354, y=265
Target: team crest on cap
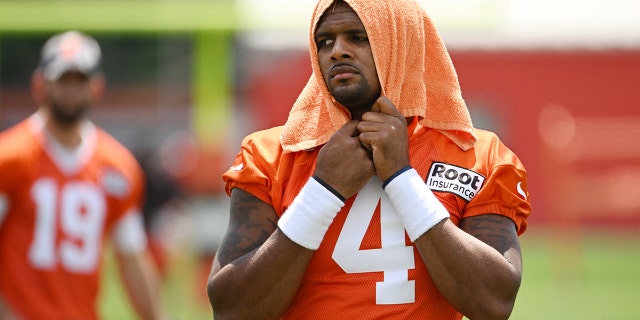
x=453, y=179
x=70, y=47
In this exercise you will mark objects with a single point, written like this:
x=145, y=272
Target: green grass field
x=591, y=275
x=183, y=292
x=587, y=275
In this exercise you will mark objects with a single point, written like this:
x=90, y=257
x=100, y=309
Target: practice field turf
x=586, y=275
x=183, y=292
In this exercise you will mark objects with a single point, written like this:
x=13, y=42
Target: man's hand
x=343, y=162
x=383, y=130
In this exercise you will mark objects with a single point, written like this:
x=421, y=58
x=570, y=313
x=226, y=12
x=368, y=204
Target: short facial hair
x=66, y=118
x=355, y=99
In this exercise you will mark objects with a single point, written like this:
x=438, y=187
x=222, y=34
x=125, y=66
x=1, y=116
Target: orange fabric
x=327, y=290
x=61, y=279
x=414, y=68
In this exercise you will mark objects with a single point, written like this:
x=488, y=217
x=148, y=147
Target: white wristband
x=308, y=217
x=417, y=207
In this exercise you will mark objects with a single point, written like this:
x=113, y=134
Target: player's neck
x=67, y=134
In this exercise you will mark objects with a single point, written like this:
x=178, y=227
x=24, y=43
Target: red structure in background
x=599, y=87
x=583, y=159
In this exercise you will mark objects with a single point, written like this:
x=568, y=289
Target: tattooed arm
x=477, y=267
x=257, y=269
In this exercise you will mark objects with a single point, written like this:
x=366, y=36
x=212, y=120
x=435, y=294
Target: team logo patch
x=453, y=179
x=115, y=183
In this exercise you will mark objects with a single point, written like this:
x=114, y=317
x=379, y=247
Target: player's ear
x=97, y=86
x=38, y=87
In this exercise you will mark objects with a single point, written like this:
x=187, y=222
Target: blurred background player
x=65, y=186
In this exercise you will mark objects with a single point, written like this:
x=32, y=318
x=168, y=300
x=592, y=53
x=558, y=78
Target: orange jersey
x=56, y=218
x=366, y=266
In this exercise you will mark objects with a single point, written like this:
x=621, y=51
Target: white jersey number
x=81, y=210
x=394, y=258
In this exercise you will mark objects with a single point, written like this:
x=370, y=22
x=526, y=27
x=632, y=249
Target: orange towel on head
x=414, y=69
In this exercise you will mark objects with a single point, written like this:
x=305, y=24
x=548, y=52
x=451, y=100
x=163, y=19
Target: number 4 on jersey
x=394, y=258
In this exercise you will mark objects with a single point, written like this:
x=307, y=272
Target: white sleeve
x=4, y=207
x=129, y=235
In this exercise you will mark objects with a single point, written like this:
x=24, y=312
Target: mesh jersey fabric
x=333, y=286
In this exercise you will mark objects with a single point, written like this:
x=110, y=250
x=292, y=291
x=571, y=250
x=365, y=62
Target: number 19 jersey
x=56, y=209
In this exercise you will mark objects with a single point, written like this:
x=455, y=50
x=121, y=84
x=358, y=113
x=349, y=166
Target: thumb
x=349, y=129
x=385, y=106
